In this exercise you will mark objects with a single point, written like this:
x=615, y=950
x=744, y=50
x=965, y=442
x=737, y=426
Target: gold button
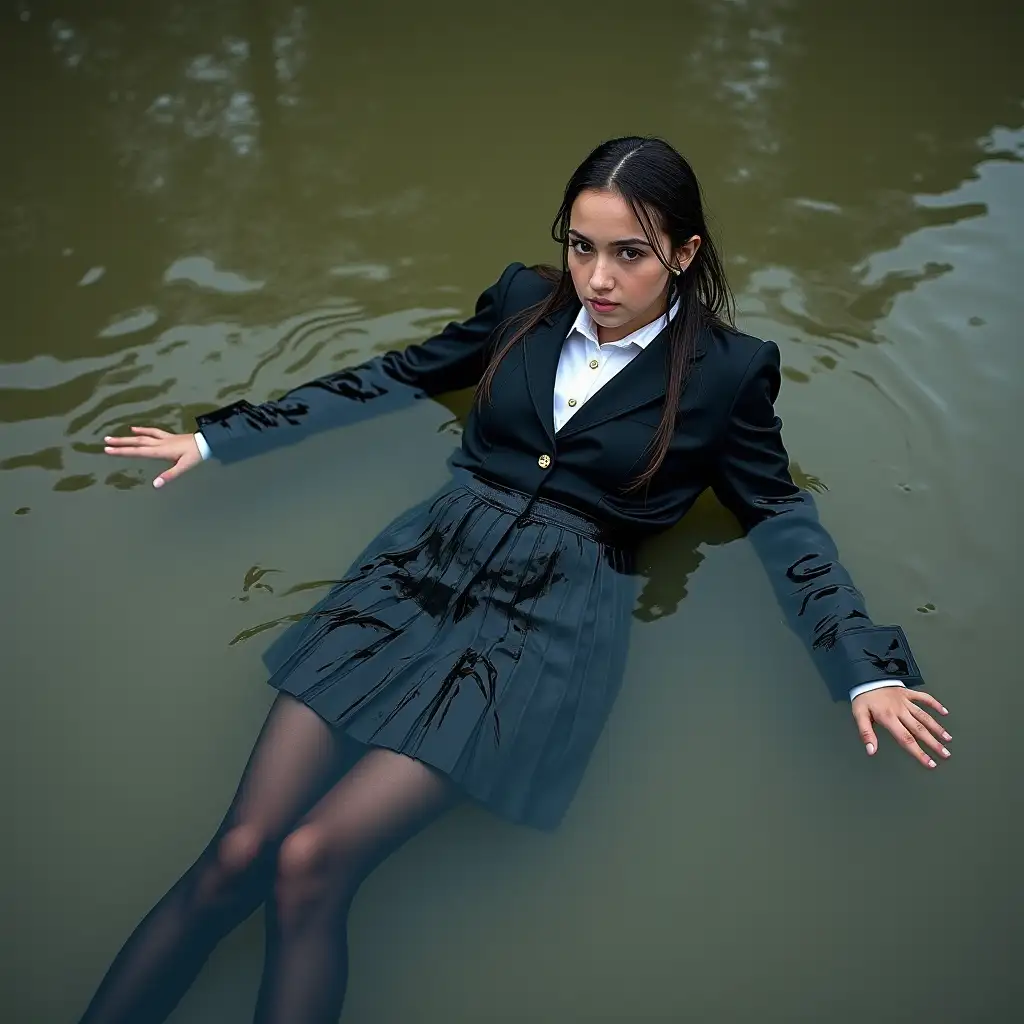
x=594, y=364
x=544, y=461
x=572, y=403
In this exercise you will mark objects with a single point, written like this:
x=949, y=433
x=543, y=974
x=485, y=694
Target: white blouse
x=584, y=367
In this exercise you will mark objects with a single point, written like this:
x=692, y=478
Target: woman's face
x=617, y=275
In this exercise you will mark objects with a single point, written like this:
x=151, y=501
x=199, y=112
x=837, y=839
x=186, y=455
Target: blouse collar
x=584, y=323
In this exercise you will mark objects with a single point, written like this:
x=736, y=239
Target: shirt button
x=594, y=364
x=544, y=461
x=572, y=403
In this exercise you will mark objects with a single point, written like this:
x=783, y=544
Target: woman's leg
x=381, y=802
x=296, y=759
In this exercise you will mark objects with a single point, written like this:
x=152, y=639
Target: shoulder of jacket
x=742, y=349
x=524, y=286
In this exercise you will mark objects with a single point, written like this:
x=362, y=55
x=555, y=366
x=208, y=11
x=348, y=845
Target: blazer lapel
x=541, y=349
x=640, y=382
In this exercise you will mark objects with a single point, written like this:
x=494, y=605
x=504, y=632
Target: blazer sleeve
x=817, y=596
x=453, y=359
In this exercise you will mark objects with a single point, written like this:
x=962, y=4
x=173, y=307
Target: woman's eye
x=630, y=255
x=581, y=247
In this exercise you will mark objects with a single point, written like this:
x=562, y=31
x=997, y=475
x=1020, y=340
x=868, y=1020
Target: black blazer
x=727, y=437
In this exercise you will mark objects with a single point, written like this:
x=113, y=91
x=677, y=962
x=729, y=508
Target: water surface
x=205, y=201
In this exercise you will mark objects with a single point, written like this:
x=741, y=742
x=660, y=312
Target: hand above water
x=153, y=443
x=893, y=707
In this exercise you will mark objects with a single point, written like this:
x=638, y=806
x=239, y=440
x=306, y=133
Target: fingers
x=137, y=447
x=921, y=732
x=145, y=437
x=153, y=443
x=928, y=722
x=905, y=739
x=911, y=726
x=926, y=698
x=128, y=440
x=170, y=474
x=186, y=461
x=146, y=442
x=142, y=435
x=867, y=735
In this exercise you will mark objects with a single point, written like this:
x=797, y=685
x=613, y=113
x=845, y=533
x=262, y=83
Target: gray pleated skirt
x=483, y=633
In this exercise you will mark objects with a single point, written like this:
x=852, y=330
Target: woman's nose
x=601, y=280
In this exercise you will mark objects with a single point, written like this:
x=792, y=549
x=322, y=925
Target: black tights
x=296, y=837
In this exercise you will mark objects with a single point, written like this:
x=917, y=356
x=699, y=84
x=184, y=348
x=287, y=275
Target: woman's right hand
x=153, y=443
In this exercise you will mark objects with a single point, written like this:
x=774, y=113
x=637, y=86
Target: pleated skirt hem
x=482, y=633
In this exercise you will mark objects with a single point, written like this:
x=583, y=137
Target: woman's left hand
x=894, y=708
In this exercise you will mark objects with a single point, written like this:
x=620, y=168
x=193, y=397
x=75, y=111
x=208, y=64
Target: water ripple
x=202, y=272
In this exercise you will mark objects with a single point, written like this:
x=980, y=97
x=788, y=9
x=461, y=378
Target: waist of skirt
x=529, y=508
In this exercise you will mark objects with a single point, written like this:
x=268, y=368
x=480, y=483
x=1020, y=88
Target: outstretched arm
x=868, y=664
x=453, y=359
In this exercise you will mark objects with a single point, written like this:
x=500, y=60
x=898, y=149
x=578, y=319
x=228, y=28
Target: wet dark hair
x=664, y=193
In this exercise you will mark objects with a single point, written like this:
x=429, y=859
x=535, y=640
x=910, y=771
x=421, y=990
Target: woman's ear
x=685, y=253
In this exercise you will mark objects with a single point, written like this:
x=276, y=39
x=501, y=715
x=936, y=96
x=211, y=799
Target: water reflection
x=818, y=205
x=818, y=192
x=817, y=201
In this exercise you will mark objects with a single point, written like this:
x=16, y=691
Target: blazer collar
x=639, y=383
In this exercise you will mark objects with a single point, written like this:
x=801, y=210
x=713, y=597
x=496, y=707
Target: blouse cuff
x=876, y=685
x=202, y=445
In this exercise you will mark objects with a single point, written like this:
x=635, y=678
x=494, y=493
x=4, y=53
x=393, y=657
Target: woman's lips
x=602, y=307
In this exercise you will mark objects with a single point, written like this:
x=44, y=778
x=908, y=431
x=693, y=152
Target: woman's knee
x=233, y=862
x=310, y=874
x=239, y=849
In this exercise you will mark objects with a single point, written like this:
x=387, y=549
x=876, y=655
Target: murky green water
x=205, y=200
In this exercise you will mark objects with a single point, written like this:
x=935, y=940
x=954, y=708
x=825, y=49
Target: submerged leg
x=380, y=803
x=295, y=760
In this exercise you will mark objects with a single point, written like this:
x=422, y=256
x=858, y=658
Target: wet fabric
x=484, y=633
x=727, y=437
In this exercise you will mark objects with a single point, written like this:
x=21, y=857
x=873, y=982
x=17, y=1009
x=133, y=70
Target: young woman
x=475, y=649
